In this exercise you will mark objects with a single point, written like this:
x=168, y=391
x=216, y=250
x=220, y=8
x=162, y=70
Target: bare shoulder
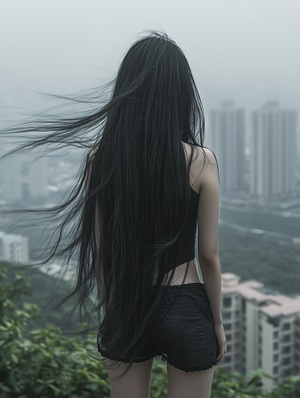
x=199, y=153
x=204, y=162
x=210, y=155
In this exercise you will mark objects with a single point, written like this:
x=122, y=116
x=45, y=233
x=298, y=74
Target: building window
x=286, y=372
x=286, y=326
x=227, y=358
x=286, y=350
x=275, y=357
x=286, y=361
x=227, y=326
x=275, y=370
x=227, y=302
x=274, y=321
x=296, y=369
x=287, y=338
x=244, y=306
x=227, y=315
x=275, y=346
x=275, y=335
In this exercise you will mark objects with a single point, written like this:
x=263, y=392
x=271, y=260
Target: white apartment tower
x=273, y=157
x=14, y=248
x=23, y=177
x=227, y=140
x=262, y=330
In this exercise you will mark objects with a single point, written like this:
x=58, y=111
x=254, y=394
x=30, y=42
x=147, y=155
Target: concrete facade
x=262, y=330
x=14, y=248
x=227, y=140
x=273, y=152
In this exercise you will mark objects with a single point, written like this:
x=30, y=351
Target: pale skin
x=136, y=383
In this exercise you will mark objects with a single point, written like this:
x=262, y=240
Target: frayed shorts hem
x=162, y=357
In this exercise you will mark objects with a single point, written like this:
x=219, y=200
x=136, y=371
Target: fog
x=242, y=50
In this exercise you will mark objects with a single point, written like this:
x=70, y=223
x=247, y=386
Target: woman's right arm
x=208, y=215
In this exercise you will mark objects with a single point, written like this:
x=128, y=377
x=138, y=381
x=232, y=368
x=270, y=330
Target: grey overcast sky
x=245, y=50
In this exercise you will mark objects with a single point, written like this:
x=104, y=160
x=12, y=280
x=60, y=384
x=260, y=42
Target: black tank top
x=186, y=251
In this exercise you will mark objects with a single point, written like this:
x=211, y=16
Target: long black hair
x=130, y=202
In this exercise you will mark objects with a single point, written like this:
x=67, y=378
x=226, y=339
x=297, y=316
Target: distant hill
x=270, y=259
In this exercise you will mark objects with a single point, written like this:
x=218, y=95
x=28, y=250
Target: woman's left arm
x=98, y=268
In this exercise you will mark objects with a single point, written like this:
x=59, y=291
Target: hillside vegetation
x=44, y=362
x=272, y=260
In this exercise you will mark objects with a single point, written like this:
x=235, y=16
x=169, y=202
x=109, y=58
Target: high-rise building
x=262, y=330
x=23, y=177
x=273, y=152
x=227, y=140
x=14, y=248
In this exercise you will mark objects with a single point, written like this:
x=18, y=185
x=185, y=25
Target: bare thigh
x=189, y=384
x=136, y=383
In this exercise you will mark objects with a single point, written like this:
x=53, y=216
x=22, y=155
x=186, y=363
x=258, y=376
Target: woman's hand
x=221, y=339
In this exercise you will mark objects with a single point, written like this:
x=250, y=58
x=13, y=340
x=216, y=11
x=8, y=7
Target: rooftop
x=271, y=304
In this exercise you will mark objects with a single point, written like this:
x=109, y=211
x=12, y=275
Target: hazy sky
x=245, y=50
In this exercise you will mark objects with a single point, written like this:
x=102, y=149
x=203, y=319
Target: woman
x=148, y=180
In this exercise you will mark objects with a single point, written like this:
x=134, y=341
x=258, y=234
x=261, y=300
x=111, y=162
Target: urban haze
x=246, y=62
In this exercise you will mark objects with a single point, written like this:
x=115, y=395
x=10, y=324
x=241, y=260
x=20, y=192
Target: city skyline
x=257, y=152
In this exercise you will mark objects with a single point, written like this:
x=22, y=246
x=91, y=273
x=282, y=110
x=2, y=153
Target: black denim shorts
x=184, y=336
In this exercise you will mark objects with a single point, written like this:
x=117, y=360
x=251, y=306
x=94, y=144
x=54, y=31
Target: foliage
x=45, y=362
x=290, y=388
x=159, y=381
x=42, y=362
x=47, y=291
x=234, y=385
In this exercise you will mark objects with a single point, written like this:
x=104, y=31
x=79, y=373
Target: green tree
x=44, y=362
x=290, y=388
